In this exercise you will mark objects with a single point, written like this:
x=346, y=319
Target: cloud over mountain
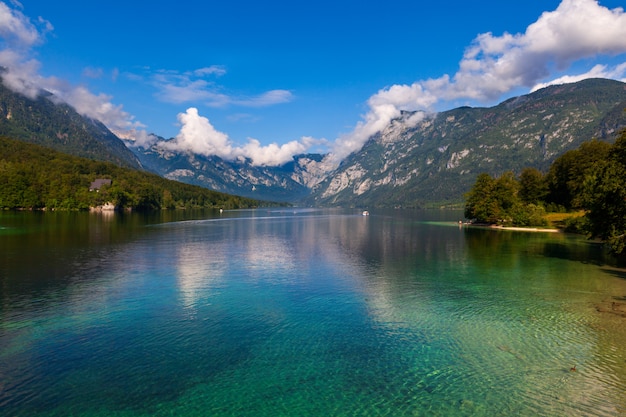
x=495, y=65
x=21, y=73
x=491, y=66
x=197, y=135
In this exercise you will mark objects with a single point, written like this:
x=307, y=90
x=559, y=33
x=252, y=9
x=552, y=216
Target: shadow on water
x=616, y=273
x=585, y=252
x=557, y=246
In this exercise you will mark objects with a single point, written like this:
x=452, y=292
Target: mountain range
x=420, y=159
x=431, y=162
x=438, y=159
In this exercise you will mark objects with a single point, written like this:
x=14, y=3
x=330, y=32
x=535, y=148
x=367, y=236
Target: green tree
x=506, y=192
x=480, y=204
x=604, y=196
x=497, y=201
x=533, y=187
x=567, y=173
x=35, y=177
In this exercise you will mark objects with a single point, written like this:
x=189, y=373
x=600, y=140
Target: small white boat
x=366, y=213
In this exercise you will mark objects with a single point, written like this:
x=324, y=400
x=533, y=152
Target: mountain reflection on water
x=304, y=312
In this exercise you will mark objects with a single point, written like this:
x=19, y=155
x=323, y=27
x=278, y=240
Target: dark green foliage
x=497, y=201
x=480, y=202
x=576, y=224
x=592, y=178
x=34, y=177
x=44, y=121
x=604, y=197
x=533, y=186
x=567, y=173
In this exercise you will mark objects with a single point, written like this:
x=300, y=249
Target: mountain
x=437, y=160
x=287, y=183
x=431, y=162
x=36, y=177
x=58, y=126
x=418, y=160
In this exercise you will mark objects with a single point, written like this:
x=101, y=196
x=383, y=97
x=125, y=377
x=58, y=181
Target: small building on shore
x=99, y=183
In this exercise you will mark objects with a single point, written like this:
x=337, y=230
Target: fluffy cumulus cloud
x=198, y=136
x=495, y=65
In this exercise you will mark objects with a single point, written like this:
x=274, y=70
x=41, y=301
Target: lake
x=301, y=312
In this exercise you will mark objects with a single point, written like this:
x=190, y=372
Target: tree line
x=591, y=179
x=34, y=177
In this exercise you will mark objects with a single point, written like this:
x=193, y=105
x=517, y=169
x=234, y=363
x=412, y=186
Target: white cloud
x=97, y=107
x=217, y=70
x=491, y=67
x=92, y=72
x=198, y=136
x=17, y=30
x=194, y=87
x=268, y=98
x=20, y=73
x=274, y=154
x=19, y=36
x=188, y=91
x=617, y=72
x=496, y=65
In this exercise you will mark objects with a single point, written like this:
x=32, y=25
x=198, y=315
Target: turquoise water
x=304, y=313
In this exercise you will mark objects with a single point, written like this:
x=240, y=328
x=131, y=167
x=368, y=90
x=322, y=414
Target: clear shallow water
x=303, y=313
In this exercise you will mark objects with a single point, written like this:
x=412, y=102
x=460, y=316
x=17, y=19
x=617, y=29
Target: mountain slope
x=35, y=177
x=437, y=160
x=432, y=162
x=58, y=126
x=286, y=183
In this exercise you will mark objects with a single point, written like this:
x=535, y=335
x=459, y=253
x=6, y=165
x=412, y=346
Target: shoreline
x=512, y=228
x=526, y=229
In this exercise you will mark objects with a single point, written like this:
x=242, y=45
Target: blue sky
x=231, y=78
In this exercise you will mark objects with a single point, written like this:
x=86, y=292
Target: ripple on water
x=259, y=318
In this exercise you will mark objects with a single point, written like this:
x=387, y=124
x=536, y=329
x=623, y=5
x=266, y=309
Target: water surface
x=304, y=313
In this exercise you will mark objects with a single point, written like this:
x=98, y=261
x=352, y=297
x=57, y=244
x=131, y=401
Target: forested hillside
x=35, y=177
x=56, y=125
